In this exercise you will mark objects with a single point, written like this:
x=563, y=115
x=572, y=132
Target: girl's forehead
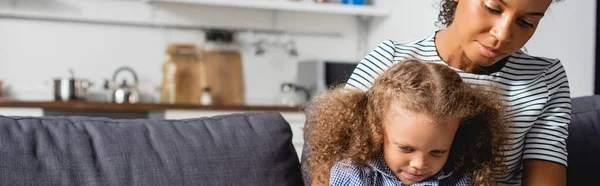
x=418, y=130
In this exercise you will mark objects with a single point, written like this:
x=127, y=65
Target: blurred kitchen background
x=240, y=52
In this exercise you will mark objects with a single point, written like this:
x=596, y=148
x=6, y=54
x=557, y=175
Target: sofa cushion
x=238, y=149
x=583, y=143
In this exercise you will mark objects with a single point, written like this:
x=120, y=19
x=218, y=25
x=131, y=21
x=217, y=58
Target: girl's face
x=489, y=30
x=415, y=147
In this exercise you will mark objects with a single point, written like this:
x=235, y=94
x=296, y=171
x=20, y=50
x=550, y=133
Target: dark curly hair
x=348, y=123
x=447, y=9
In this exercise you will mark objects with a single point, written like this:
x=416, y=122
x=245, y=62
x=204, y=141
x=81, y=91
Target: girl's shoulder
x=346, y=172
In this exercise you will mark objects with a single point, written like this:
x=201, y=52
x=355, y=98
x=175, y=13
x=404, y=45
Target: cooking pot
x=70, y=89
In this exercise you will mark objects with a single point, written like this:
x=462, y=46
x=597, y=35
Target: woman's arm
x=544, y=173
x=545, y=151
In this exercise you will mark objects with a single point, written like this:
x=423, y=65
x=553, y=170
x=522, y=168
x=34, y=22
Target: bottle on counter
x=206, y=98
x=168, y=86
x=354, y=2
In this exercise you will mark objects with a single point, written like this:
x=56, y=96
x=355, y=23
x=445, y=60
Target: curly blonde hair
x=345, y=123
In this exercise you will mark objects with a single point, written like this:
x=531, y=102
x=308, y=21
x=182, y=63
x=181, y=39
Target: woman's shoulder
x=422, y=42
x=521, y=57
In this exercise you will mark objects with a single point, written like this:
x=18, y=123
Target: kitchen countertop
x=141, y=107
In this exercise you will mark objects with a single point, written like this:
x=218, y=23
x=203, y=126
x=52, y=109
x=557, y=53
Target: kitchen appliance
x=292, y=95
x=125, y=92
x=70, y=89
x=319, y=75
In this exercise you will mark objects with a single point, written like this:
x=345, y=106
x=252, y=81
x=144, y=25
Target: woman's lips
x=487, y=51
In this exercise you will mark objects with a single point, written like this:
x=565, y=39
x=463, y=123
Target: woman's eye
x=524, y=23
x=491, y=10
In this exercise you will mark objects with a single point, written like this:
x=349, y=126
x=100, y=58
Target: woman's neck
x=450, y=51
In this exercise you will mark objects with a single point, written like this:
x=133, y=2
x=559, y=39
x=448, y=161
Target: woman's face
x=414, y=146
x=489, y=30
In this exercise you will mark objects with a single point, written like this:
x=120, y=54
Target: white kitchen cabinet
x=10, y=111
x=295, y=119
x=325, y=8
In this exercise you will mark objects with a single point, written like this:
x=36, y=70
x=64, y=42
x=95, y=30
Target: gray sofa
x=583, y=144
x=239, y=149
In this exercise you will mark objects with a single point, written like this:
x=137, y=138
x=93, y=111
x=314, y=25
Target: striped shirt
x=377, y=173
x=535, y=89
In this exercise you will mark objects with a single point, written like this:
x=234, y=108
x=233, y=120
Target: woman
x=481, y=39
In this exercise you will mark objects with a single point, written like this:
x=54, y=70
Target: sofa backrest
x=583, y=144
x=238, y=149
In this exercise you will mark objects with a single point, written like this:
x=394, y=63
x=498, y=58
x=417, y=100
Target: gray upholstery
x=239, y=149
x=583, y=143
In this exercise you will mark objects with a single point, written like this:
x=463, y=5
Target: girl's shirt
x=377, y=173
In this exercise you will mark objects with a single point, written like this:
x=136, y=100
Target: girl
x=419, y=123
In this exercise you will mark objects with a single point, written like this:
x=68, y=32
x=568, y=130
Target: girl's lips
x=416, y=177
x=487, y=51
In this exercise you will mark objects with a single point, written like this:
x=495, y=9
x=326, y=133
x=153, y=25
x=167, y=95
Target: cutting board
x=224, y=76
x=182, y=75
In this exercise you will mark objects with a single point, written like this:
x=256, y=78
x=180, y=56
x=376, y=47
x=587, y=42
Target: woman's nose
x=502, y=30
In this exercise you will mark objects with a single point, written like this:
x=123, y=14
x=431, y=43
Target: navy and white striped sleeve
x=345, y=173
x=546, y=140
x=373, y=65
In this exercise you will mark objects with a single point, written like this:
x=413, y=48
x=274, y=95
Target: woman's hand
x=543, y=173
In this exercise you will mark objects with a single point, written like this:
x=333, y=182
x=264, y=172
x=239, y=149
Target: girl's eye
x=406, y=149
x=437, y=152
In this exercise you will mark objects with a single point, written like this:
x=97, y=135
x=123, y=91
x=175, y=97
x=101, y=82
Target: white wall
x=32, y=52
x=567, y=32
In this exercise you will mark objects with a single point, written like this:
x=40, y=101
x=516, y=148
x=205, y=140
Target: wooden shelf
x=144, y=107
x=281, y=5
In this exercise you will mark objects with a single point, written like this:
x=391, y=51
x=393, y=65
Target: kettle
x=125, y=92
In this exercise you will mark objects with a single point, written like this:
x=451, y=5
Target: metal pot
x=70, y=89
